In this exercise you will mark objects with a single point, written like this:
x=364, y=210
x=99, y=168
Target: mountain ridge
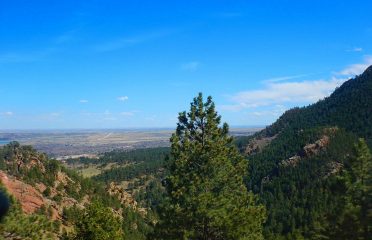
x=307, y=196
x=332, y=110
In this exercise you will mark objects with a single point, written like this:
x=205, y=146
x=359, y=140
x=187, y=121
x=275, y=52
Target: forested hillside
x=306, y=176
x=49, y=201
x=138, y=163
x=348, y=107
x=139, y=171
x=301, y=166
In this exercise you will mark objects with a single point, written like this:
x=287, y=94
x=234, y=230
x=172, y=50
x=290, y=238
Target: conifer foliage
x=97, y=223
x=358, y=207
x=207, y=198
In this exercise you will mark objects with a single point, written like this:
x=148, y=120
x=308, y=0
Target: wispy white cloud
x=56, y=114
x=355, y=49
x=49, y=117
x=85, y=113
x=107, y=115
x=24, y=57
x=83, y=101
x=17, y=57
x=123, y=42
x=191, y=66
x=127, y=114
x=274, y=111
x=109, y=119
x=51, y=47
x=7, y=114
x=283, y=92
x=151, y=118
x=284, y=78
x=356, y=69
x=117, y=44
x=123, y=98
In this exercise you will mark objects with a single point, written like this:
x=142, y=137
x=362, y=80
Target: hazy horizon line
x=118, y=129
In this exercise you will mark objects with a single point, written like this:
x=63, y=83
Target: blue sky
x=125, y=64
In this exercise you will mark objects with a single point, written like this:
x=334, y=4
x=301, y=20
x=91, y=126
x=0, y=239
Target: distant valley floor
x=63, y=144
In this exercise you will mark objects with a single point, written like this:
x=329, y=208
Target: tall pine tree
x=360, y=189
x=207, y=198
x=354, y=218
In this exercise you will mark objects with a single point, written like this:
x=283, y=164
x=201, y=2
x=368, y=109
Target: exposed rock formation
x=333, y=168
x=125, y=198
x=314, y=148
x=29, y=197
x=310, y=149
x=26, y=159
x=292, y=161
x=257, y=144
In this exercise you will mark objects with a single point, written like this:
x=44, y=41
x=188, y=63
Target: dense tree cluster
x=152, y=165
x=299, y=196
x=125, y=157
x=129, y=164
x=348, y=107
x=97, y=222
x=16, y=160
x=203, y=188
x=18, y=225
x=311, y=199
x=206, y=196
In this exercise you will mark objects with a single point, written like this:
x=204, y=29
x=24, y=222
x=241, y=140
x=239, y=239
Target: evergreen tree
x=17, y=225
x=359, y=193
x=98, y=223
x=207, y=198
x=353, y=219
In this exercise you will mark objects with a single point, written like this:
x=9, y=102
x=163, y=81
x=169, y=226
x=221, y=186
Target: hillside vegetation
x=306, y=176
x=348, y=107
x=49, y=200
x=303, y=180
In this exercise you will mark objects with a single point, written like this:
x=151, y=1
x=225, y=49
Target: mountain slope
x=348, y=107
x=42, y=189
x=300, y=170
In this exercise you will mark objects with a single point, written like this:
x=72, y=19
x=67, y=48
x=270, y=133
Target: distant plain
x=64, y=144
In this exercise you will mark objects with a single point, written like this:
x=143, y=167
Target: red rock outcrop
x=29, y=198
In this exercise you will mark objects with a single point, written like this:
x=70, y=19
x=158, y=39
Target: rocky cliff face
x=32, y=199
x=313, y=149
x=41, y=184
x=28, y=196
x=257, y=144
x=24, y=158
x=125, y=198
x=29, y=190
